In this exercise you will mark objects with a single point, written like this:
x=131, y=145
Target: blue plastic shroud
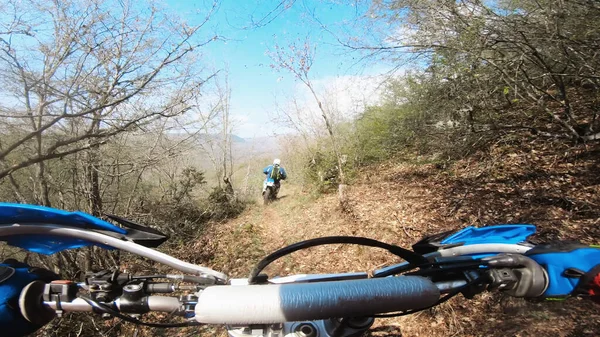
x=556, y=263
x=47, y=244
x=509, y=234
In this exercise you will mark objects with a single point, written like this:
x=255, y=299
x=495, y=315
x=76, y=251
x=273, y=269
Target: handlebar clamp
x=522, y=277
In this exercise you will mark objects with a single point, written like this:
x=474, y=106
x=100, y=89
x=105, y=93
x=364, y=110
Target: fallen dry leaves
x=555, y=186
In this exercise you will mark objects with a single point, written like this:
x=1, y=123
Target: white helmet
x=277, y=162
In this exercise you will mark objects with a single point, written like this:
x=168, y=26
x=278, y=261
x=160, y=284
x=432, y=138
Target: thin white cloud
x=342, y=96
x=349, y=95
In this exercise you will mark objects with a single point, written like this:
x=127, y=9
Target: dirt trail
x=403, y=203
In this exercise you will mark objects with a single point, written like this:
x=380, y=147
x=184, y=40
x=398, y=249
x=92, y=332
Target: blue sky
x=254, y=84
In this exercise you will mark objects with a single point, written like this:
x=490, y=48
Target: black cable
x=452, y=265
x=181, y=278
x=410, y=256
x=143, y=277
x=444, y=270
x=440, y=301
x=106, y=309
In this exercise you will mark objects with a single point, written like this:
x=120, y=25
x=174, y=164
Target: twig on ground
x=406, y=232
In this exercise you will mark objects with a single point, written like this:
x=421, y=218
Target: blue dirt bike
x=469, y=261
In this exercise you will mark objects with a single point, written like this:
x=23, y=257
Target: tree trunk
x=93, y=192
x=17, y=190
x=336, y=150
x=44, y=197
x=93, y=181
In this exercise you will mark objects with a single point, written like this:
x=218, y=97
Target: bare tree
x=75, y=76
x=298, y=60
x=226, y=134
x=216, y=138
x=76, y=73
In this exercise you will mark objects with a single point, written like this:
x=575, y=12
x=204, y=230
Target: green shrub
x=223, y=204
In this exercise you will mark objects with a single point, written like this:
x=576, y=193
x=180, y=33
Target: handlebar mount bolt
x=306, y=330
x=132, y=287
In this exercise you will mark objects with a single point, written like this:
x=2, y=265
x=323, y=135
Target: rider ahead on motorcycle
x=275, y=173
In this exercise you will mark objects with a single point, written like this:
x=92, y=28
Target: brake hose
x=444, y=265
x=440, y=301
x=409, y=256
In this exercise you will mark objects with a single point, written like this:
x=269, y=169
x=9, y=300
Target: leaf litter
x=552, y=185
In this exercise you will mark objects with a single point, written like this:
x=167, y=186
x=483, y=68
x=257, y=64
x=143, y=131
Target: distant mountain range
x=249, y=148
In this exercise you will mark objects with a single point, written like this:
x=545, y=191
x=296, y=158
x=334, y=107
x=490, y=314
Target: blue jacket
x=269, y=169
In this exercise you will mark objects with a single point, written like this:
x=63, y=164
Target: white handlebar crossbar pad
x=265, y=304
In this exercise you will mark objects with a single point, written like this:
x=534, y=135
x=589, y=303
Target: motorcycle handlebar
x=265, y=304
x=289, y=302
x=278, y=303
x=155, y=303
